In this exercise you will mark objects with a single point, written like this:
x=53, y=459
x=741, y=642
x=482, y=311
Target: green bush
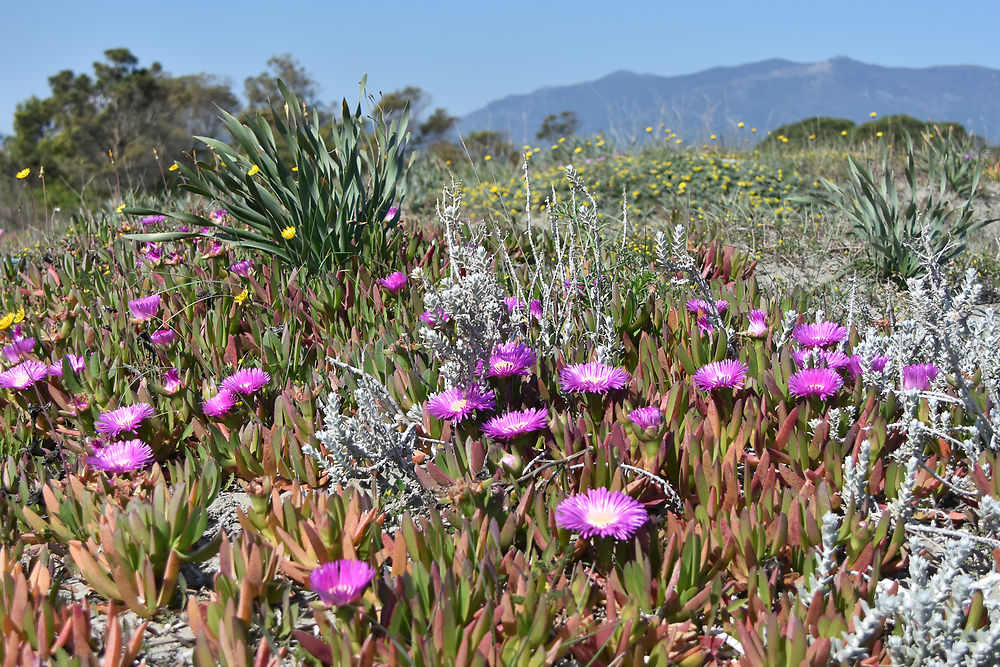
x=815, y=130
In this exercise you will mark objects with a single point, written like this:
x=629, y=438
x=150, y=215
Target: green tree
x=436, y=127
x=553, y=126
x=262, y=91
x=96, y=135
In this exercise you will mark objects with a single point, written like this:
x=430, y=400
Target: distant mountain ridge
x=764, y=95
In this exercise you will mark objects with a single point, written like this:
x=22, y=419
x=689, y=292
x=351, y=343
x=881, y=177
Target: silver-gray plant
x=930, y=611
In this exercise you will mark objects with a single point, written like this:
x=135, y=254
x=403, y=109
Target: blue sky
x=466, y=54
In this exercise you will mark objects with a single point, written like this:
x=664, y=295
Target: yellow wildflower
x=253, y=170
x=242, y=296
x=873, y=114
x=120, y=208
x=174, y=167
x=488, y=157
x=288, y=233
x=6, y=321
x=19, y=316
x=24, y=173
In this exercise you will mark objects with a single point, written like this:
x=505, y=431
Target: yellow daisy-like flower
x=23, y=173
x=878, y=134
x=120, y=208
x=174, y=167
x=288, y=233
x=19, y=316
x=488, y=157
x=6, y=321
x=873, y=114
x=739, y=124
x=242, y=296
x=295, y=168
x=253, y=170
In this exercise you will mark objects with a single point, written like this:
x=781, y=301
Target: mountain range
x=764, y=95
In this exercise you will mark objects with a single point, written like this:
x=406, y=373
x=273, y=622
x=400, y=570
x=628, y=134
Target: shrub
x=317, y=210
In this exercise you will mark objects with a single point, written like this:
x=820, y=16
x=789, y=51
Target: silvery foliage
x=855, y=489
x=673, y=257
x=930, y=611
x=821, y=579
x=989, y=515
x=471, y=295
x=577, y=279
x=378, y=440
x=950, y=330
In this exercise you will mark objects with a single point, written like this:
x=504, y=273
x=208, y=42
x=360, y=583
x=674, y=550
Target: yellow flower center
x=459, y=405
x=601, y=517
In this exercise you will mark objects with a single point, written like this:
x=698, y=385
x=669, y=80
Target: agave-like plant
x=336, y=196
x=889, y=228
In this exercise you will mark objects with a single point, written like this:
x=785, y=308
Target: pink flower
x=719, y=374
x=219, y=215
x=163, y=337
x=919, y=376
x=535, y=308
x=342, y=581
x=701, y=306
x=24, y=375
x=592, y=378
x=123, y=420
x=647, y=417
x=878, y=363
x=433, y=319
x=758, y=327
x=172, y=381
x=119, y=457
x=601, y=513
x=242, y=268
x=393, y=282
x=219, y=404
x=512, y=424
x=245, y=381
x=821, y=382
x=457, y=404
x=18, y=349
x=391, y=213
x=152, y=220
x=819, y=334
x=511, y=359
x=145, y=308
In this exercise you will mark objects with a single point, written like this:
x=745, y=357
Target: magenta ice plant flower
x=919, y=376
x=393, y=282
x=821, y=382
x=758, y=325
x=701, y=306
x=877, y=364
x=219, y=404
x=592, y=378
x=145, y=308
x=245, y=381
x=819, y=334
x=647, y=417
x=511, y=359
x=704, y=325
x=601, y=513
x=19, y=348
x=24, y=375
x=535, y=308
x=834, y=359
x=391, y=213
x=120, y=457
x=728, y=374
x=123, y=420
x=152, y=220
x=342, y=581
x=515, y=423
x=163, y=336
x=242, y=268
x=172, y=381
x=457, y=404
x=434, y=319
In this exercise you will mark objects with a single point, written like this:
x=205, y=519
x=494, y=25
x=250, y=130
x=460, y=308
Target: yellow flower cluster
x=15, y=317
